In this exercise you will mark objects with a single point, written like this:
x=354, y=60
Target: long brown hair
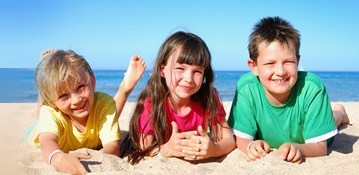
x=193, y=51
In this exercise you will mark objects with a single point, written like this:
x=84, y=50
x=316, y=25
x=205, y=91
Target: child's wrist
x=159, y=153
x=162, y=152
x=52, y=155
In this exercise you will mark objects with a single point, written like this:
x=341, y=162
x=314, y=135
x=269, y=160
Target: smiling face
x=76, y=100
x=182, y=80
x=276, y=68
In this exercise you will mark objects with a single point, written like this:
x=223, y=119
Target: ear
x=298, y=58
x=93, y=82
x=253, y=66
x=162, y=71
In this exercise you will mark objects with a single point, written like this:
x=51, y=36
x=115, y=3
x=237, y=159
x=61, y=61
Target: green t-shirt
x=305, y=118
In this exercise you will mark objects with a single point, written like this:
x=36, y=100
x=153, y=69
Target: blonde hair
x=59, y=71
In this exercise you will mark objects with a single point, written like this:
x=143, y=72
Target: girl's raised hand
x=201, y=146
x=177, y=143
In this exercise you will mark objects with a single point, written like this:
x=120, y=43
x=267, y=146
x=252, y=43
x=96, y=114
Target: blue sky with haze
x=108, y=32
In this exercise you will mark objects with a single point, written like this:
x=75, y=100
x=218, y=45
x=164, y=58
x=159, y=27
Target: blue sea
x=17, y=85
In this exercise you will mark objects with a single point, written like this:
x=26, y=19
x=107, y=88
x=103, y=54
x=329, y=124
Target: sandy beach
x=18, y=158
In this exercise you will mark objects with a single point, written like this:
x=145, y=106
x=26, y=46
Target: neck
x=79, y=123
x=278, y=100
x=180, y=106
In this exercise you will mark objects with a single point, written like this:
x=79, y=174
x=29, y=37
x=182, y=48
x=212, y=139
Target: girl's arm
x=203, y=147
x=173, y=147
x=134, y=72
x=64, y=162
x=112, y=148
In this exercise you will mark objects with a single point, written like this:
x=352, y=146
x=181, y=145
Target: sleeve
x=319, y=123
x=46, y=123
x=242, y=117
x=109, y=127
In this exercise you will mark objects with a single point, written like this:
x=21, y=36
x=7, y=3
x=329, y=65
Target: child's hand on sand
x=134, y=72
x=46, y=53
x=257, y=150
x=290, y=153
x=69, y=162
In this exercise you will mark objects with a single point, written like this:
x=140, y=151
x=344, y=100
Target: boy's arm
x=227, y=143
x=313, y=149
x=64, y=162
x=253, y=149
x=242, y=144
x=295, y=152
x=134, y=72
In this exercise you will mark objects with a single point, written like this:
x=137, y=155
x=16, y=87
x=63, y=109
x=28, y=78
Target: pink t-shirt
x=189, y=122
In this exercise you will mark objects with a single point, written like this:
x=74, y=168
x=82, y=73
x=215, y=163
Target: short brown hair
x=272, y=29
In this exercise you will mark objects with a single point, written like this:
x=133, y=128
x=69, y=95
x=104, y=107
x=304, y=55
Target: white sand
x=18, y=158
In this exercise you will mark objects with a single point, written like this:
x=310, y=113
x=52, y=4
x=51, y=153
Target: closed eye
x=63, y=97
x=179, y=68
x=80, y=88
x=198, y=72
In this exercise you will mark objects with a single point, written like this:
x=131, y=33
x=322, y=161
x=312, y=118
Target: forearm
x=112, y=148
x=121, y=97
x=313, y=149
x=242, y=143
x=223, y=147
x=48, y=144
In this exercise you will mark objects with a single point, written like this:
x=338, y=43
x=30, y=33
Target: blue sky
x=108, y=32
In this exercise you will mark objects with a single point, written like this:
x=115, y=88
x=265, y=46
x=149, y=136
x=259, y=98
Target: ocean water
x=17, y=85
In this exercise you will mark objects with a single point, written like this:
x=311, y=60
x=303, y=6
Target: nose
x=75, y=98
x=280, y=70
x=188, y=76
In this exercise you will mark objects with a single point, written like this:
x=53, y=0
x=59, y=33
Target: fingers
x=258, y=149
x=201, y=132
x=71, y=164
x=81, y=169
x=298, y=157
x=182, y=135
x=174, y=128
x=246, y=156
x=82, y=155
x=290, y=153
x=266, y=147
